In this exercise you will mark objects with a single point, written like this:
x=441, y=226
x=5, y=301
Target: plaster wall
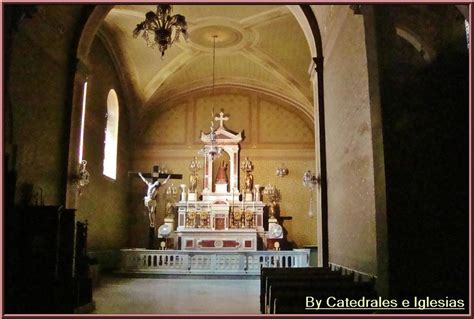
x=39, y=82
x=351, y=199
x=275, y=132
x=104, y=203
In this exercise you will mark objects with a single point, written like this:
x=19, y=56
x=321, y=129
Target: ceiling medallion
x=160, y=29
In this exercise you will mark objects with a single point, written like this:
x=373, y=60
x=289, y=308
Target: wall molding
x=268, y=154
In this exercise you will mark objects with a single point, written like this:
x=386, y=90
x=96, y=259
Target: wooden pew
x=293, y=302
x=284, y=290
x=285, y=272
x=303, y=280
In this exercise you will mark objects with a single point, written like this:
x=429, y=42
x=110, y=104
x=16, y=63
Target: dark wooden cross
x=156, y=174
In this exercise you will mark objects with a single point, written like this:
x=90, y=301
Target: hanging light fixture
x=212, y=149
x=160, y=29
x=310, y=181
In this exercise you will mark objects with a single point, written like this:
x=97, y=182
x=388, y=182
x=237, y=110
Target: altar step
x=122, y=274
x=229, y=263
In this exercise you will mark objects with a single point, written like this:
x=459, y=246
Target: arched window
x=111, y=135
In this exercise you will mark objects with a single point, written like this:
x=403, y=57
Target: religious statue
x=193, y=182
x=169, y=210
x=150, y=197
x=247, y=167
x=194, y=167
x=221, y=177
x=171, y=192
x=248, y=183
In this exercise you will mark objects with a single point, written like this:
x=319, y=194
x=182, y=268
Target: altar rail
x=142, y=261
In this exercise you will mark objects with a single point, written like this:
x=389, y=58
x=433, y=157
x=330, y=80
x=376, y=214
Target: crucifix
x=221, y=118
x=152, y=192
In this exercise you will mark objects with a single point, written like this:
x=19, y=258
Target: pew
x=284, y=290
x=285, y=272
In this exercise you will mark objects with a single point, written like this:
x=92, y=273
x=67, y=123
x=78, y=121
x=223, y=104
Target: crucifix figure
x=150, y=197
x=221, y=118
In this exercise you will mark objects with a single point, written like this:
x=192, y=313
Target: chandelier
x=160, y=29
x=212, y=150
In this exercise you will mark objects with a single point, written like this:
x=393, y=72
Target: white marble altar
x=221, y=218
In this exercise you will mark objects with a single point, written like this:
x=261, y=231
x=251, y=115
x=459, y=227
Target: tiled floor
x=116, y=295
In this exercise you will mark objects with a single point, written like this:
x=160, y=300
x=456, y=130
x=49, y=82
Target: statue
x=194, y=167
x=248, y=183
x=247, y=167
x=221, y=177
x=171, y=192
x=169, y=210
x=193, y=182
x=150, y=197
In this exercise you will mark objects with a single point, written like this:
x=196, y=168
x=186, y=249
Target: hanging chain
x=213, y=74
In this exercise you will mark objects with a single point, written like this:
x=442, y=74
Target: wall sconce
x=82, y=178
x=281, y=170
x=310, y=181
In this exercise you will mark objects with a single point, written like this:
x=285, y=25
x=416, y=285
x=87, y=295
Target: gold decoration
x=237, y=214
x=204, y=219
x=191, y=219
x=249, y=218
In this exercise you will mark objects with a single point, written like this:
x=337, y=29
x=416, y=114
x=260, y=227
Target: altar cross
x=155, y=174
x=221, y=118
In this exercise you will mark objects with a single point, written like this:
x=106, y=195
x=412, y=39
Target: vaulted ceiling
x=259, y=47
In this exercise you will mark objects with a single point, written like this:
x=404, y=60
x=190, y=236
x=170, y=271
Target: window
x=466, y=26
x=111, y=135
x=83, y=117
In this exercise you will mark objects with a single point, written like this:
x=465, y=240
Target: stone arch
x=309, y=25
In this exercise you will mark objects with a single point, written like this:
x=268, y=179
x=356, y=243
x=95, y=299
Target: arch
x=411, y=37
x=111, y=135
x=309, y=25
x=89, y=31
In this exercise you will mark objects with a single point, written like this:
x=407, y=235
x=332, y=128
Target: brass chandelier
x=160, y=29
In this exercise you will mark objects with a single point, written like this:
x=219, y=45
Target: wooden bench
x=284, y=290
x=286, y=272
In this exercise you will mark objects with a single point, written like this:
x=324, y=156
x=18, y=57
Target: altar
x=205, y=225
x=221, y=229
x=221, y=217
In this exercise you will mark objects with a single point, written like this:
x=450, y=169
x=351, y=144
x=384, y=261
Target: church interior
x=339, y=133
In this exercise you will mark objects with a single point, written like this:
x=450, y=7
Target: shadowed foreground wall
x=425, y=107
x=274, y=133
x=38, y=92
